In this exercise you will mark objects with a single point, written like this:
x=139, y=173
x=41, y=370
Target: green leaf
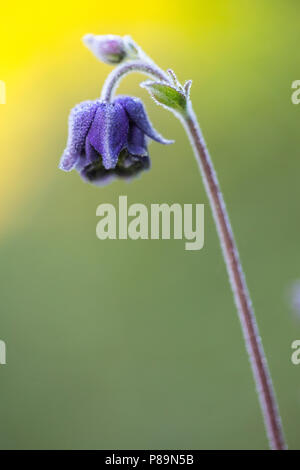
x=167, y=95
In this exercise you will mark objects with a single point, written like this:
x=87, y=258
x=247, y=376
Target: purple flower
x=108, y=140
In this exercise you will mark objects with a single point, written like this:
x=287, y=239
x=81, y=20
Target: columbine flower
x=108, y=140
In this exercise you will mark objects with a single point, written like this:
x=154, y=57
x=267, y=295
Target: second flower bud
x=111, y=49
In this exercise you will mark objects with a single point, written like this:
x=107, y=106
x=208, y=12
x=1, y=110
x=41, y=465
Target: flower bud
x=109, y=48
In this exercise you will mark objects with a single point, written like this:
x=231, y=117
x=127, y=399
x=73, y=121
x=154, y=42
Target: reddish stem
x=241, y=295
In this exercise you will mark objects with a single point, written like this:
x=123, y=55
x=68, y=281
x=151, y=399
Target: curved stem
x=147, y=67
x=241, y=295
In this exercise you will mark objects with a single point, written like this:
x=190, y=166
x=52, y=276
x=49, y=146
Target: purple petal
x=108, y=133
x=80, y=120
x=136, y=141
x=68, y=160
x=136, y=112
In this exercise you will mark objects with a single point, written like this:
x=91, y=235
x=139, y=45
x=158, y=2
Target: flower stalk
x=241, y=295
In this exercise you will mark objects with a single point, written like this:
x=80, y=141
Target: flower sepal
x=109, y=140
x=172, y=96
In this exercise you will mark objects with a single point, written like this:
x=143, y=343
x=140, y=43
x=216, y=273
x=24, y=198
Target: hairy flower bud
x=109, y=48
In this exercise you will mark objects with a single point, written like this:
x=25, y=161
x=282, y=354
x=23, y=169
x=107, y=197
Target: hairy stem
x=242, y=299
x=254, y=347
x=113, y=79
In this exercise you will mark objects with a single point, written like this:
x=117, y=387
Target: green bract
x=171, y=97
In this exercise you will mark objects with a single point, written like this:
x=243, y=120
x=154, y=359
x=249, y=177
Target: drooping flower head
x=108, y=140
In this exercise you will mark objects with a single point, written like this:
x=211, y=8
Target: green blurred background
x=137, y=344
